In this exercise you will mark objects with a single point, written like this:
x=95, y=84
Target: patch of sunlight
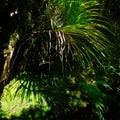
x=13, y=104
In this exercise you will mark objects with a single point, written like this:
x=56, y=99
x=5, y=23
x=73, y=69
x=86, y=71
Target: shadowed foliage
x=58, y=56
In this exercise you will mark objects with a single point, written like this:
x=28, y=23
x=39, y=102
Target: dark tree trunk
x=6, y=28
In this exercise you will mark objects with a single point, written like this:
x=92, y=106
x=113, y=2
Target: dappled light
x=59, y=60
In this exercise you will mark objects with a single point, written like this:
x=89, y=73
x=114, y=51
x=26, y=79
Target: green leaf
x=103, y=83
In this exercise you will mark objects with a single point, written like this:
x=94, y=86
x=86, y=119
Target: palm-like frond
x=83, y=27
x=95, y=96
x=76, y=30
x=67, y=30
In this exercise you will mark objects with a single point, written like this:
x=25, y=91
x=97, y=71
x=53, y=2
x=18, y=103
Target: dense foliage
x=59, y=59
